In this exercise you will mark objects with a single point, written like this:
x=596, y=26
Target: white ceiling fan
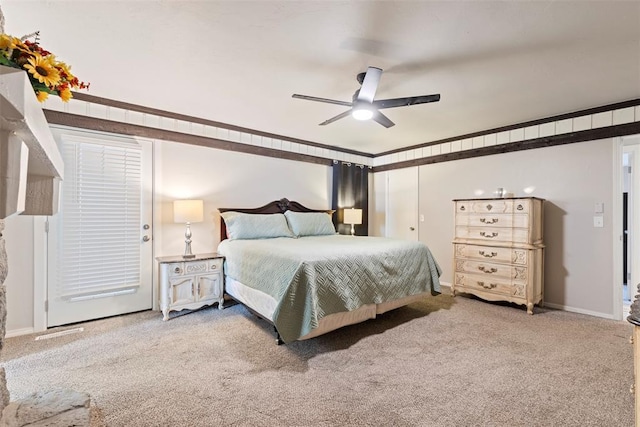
x=364, y=107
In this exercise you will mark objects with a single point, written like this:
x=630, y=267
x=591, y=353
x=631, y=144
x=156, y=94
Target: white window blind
x=100, y=217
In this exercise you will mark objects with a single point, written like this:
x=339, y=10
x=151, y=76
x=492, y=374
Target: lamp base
x=187, y=244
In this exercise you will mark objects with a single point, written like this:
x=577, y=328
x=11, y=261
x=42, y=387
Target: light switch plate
x=599, y=207
x=598, y=221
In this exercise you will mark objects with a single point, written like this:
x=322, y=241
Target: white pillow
x=255, y=226
x=310, y=223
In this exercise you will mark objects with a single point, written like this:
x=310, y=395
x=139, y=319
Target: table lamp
x=187, y=212
x=354, y=217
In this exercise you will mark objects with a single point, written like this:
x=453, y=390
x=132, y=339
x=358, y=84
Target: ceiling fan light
x=362, y=113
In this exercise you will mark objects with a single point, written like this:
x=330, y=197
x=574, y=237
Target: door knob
x=411, y=228
x=145, y=238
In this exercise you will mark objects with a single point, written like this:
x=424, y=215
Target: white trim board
x=19, y=332
x=579, y=310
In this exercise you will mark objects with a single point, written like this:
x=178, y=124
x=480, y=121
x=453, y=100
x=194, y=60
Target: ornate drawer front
x=491, y=253
x=194, y=267
x=493, y=206
x=493, y=234
x=491, y=269
x=495, y=285
x=176, y=269
x=215, y=264
x=493, y=220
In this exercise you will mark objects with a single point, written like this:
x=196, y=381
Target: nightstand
x=190, y=283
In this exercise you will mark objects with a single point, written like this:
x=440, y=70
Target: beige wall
x=18, y=236
x=572, y=178
x=225, y=179
x=220, y=178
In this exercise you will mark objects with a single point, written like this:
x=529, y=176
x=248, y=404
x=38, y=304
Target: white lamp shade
x=188, y=211
x=352, y=216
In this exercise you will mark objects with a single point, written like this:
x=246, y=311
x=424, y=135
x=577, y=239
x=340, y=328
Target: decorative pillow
x=259, y=226
x=310, y=223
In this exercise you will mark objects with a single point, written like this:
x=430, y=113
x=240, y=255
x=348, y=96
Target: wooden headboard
x=277, y=206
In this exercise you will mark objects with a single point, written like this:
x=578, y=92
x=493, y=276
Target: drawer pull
x=489, y=207
x=461, y=208
x=486, y=255
x=214, y=266
x=177, y=270
x=520, y=207
x=488, y=235
x=487, y=286
x=487, y=270
x=489, y=221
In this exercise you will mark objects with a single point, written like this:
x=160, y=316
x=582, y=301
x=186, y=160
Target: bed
x=286, y=263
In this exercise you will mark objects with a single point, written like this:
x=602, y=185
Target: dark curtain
x=350, y=190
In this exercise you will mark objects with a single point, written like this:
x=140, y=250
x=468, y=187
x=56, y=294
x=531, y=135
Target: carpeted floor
x=441, y=362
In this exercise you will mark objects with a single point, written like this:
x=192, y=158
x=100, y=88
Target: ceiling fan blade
x=403, y=102
x=382, y=119
x=369, y=84
x=315, y=98
x=338, y=117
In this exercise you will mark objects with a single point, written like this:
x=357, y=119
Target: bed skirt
x=264, y=305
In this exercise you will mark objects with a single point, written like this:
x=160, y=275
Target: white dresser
x=190, y=283
x=498, y=250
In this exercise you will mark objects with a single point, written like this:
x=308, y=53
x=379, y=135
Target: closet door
x=99, y=244
x=402, y=204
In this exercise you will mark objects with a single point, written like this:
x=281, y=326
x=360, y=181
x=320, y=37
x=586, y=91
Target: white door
x=99, y=244
x=402, y=204
x=632, y=149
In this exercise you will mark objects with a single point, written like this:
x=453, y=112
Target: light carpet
x=440, y=362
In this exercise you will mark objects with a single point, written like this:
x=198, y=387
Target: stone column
x=4, y=269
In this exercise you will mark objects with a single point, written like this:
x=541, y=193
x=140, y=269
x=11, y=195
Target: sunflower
x=6, y=42
x=42, y=95
x=65, y=71
x=43, y=70
x=65, y=94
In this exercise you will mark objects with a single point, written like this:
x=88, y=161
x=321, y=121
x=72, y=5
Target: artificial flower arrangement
x=47, y=75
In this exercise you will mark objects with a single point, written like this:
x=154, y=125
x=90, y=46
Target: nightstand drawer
x=215, y=265
x=175, y=269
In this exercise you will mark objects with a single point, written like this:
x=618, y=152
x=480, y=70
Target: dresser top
x=498, y=198
x=180, y=258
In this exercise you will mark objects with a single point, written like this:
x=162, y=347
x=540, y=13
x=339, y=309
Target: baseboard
x=578, y=310
x=18, y=332
x=445, y=288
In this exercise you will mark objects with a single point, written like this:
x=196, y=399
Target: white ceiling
x=239, y=62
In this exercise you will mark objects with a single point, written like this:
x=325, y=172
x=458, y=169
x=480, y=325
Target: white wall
x=220, y=178
x=18, y=234
x=225, y=179
x=572, y=178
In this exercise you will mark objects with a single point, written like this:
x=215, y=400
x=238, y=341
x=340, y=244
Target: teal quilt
x=312, y=277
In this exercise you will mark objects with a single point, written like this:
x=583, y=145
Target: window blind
x=100, y=217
